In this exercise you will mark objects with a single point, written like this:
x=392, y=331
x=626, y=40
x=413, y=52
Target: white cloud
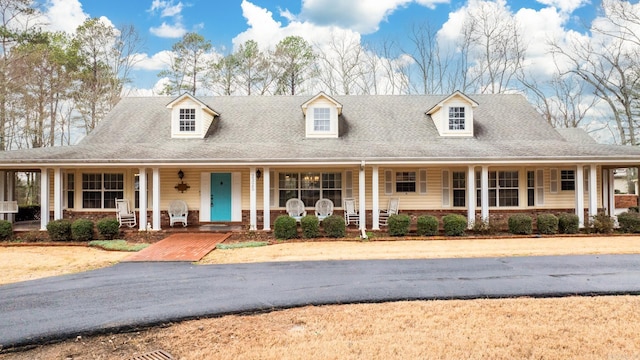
x=565, y=6
x=166, y=8
x=168, y=31
x=156, y=62
x=64, y=15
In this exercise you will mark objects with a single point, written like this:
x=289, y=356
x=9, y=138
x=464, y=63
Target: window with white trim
x=310, y=187
x=70, y=186
x=187, y=120
x=136, y=185
x=459, y=186
x=321, y=119
x=567, y=180
x=503, y=189
x=405, y=181
x=100, y=191
x=456, y=118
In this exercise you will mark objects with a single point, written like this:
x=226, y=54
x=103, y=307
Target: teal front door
x=220, y=197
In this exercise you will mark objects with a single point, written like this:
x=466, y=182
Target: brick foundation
x=626, y=201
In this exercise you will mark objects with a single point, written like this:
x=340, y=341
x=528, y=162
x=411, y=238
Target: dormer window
x=190, y=117
x=321, y=114
x=456, y=118
x=187, y=120
x=321, y=119
x=453, y=116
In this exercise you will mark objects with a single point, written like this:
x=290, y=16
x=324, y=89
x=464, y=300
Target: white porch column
x=142, y=200
x=11, y=191
x=156, y=199
x=3, y=190
x=361, y=195
x=605, y=191
x=484, y=192
x=593, y=190
x=580, y=193
x=266, y=196
x=44, y=198
x=612, y=194
x=375, y=199
x=57, y=194
x=253, y=208
x=471, y=196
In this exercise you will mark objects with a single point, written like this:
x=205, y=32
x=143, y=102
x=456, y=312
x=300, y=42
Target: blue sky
x=229, y=22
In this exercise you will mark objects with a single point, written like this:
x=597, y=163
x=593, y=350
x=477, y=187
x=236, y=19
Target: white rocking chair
x=351, y=211
x=324, y=208
x=295, y=209
x=392, y=209
x=178, y=212
x=124, y=214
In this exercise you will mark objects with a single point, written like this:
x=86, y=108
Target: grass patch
x=245, y=244
x=117, y=245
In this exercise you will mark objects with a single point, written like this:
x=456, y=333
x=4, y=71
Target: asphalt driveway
x=130, y=295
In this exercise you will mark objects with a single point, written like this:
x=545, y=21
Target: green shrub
x=334, y=226
x=108, y=228
x=602, y=223
x=629, y=222
x=310, y=226
x=520, y=224
x=547, y=224
x=633, y=209
x=484, y=227
x=6, y=229
x=82, y=230
x=427, y=225
x=399, y=224
x=568, y=223
x=59, y=230
x=285, y=227
x=454, y=224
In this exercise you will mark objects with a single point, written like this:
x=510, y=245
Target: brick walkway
x=180, y=247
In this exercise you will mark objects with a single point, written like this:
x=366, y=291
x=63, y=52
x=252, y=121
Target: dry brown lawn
x=605, y=327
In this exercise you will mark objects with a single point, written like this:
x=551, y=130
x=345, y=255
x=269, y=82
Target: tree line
x=53, y=85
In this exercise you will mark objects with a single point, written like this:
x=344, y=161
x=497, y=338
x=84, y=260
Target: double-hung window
x=188, y=120
x=310, y=187
x=567, y=179
x=503, y=188
x=459, y=188
x=321, y=119
x=100, y=191
x=456, y=118
x=405, y=181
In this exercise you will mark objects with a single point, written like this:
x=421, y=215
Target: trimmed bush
x=629, y=222
x=454, y=224
x=6, y=229
x=82, y=230
x=547, y=224
x=59, y=230
x=520, y=224
x=568, y=223
x=427, y=225
x=399, y=224
x=108, y=228
x=310, y=226
x=285, y=227
x=603, y=223
x=334, y=226
x=483, y=227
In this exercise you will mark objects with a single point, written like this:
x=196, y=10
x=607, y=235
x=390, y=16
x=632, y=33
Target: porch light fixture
x=258, y=174
x=182, y=187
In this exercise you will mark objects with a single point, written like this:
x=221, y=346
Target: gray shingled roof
x=270, y=129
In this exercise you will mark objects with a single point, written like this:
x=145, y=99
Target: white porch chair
x=295, y=209
x=178, y=212
x=324, y=208
x=351, y=211
x=125, y=215
x=392, y=209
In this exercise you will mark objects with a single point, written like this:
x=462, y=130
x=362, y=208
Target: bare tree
x=340, y=64
x=609, y=62
x=429, y=60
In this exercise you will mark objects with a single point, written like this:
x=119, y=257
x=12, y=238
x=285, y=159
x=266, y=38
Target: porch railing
x=7, y=207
